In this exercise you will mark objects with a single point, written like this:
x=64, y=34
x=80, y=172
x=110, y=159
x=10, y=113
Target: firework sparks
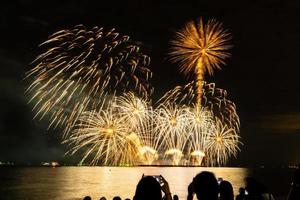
x=105, y=137
x=217, y=113
x=200, y=124
x=221, y=143
x=214, y=99
x=114, y=136
x=138, y=114
x=135, y=110
x=130, y=126
x=197, y=157
x=176, y=155
x=94, y=82
x=130, y=150
x=148, y=155
x=149, y=140
x=200, y=47
x=171, y=121
x=80, y=68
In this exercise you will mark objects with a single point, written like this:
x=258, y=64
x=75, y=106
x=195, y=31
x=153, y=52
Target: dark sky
x=261, y=77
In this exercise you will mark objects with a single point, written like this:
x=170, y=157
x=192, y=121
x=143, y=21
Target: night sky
x=261, y=77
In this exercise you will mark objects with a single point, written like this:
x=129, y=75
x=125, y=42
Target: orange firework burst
x=200, y=47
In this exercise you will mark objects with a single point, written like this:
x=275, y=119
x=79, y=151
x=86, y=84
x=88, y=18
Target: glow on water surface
x=77, y=182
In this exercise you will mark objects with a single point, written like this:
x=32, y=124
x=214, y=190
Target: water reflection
x=77, y=182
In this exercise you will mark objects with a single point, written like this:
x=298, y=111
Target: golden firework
x=137, y=113
x=214, y=99
x=121, y=134
x=220, y=144
x=104, y=137
x=200, y=124
x=199, y=47
x=80, y=69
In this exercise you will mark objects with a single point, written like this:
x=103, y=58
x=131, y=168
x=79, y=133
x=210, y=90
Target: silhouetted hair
x=148, y=189
x=117, y=198
x=87, y=198
x=242, y=194
x=252, y=186
x=242, y=190
x=206, y=186
x=255, y=188
x=226, y=191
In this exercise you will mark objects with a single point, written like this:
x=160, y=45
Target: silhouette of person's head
x=175, y=197
x=226, y=191
x=102, y=198
x=87, y=198
x=252, y=186
x=117, y=198
x=206, y=186
x=242, y=191
x=148, y=189
x=255, y=188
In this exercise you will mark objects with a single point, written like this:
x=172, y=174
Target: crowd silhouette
x=205, y=186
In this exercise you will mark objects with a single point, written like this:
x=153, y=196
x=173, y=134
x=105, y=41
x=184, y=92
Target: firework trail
x=80, y=68
x=220, y=144
x=200, y=47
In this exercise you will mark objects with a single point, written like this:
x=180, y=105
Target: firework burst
x=171, y=121
x=130, y=141
x=200, y=47
x=135, y=110
x=80, y=68
x=138, y=115
x=215, y=100
x=220, y=144
x=200, y=124
x=149, y=140
x=94, y=82
x=104, y=137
